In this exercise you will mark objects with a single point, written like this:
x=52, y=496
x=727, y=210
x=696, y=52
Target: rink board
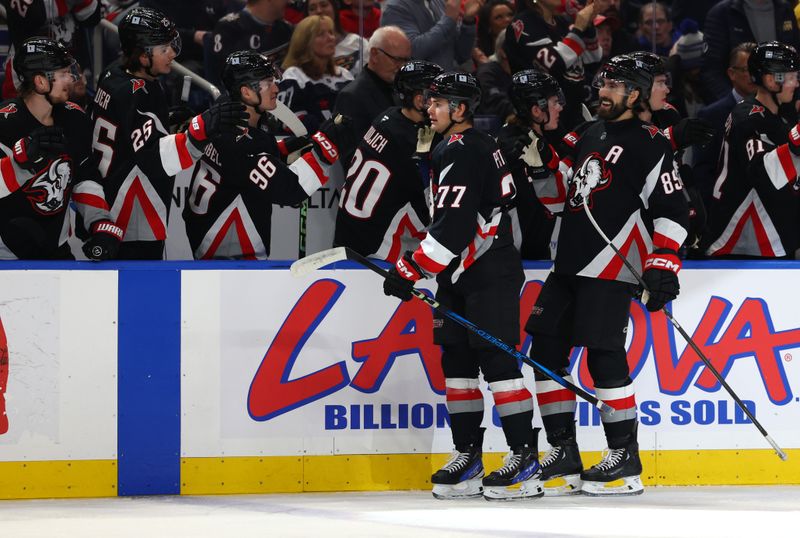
x=164, y=378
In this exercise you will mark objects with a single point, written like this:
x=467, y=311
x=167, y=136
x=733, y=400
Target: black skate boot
x=618, y=473
x=518, y=478
x=460, y=478
x=562, y=466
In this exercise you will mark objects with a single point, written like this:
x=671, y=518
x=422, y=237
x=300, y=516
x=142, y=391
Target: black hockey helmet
x=533, y=87
x=143, y=28
x=247, y=68
x=42, y=56
x=628, y=70
x=774, y=58
x=456, y=88
x=414, y=76
x=657, y=65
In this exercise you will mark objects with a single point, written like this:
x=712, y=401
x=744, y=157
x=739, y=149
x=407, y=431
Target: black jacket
x=363, y=99
x=726, y=26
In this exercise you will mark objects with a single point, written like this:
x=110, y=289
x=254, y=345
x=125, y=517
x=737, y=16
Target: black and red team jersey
x=229, y=210
x=383, y=210
x=473, y=192
x=756, y=199
x=138, y=158
x=41, y=198
x=626, y=171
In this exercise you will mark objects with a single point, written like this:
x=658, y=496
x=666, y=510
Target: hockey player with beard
x=538, y=102
x=383, y=210
x=469, y=248
x=624, y=173
x=540, y=36
x=138, y=157
x=756, y=206
x=229, y=210
x=48, y=162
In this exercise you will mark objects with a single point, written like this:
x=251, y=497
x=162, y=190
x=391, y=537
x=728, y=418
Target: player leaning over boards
x=138, y=157
x=229, y=210
x=623, y=172
x=470, y=249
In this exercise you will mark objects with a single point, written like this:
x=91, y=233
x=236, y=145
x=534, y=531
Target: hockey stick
x=320, y=259
x=645, y=294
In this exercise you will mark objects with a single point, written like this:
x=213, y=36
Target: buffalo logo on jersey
x=138, y=84
x=757, y=109
x=69, y=105
x=47, y=190
x=591, y=176
x=652, y=129
x=456, y=138
x=519, y=28
x=8, y=109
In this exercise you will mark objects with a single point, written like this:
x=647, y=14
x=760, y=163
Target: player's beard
x=610, y=114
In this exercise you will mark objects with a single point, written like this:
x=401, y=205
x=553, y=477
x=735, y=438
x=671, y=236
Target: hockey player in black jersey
x=138, y=157
x=538, y=102
x=540, y=37
x=229, y=210
x=383, y=210
x=623, y=171
x=48, y=162
x=469, y=248
x=756, y=198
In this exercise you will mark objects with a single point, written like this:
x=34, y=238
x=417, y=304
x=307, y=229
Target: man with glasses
x=371, y=91
x=756, y=195
x=655, y=28
x=47, y=161
x=138, y=158
x=715, y=114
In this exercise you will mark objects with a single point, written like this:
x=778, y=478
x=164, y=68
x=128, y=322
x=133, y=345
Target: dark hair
x=485, y=39
x=747, y=47
x=337, y=24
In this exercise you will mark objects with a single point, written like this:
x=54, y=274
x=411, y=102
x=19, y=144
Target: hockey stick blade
x=311, y=263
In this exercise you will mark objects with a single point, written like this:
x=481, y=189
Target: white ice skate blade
x=563, y=486
x=530, y=489
x=629, y=485
x=467, y=489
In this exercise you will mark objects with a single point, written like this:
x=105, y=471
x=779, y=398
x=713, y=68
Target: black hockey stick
x=645, y=293
x=326, y=257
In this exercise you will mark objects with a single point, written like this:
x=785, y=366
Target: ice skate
x=618, y=473
x=518, y=478
x=461, y=476
x=561, y=469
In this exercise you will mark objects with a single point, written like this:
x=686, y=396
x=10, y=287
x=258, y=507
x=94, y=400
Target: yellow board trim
x=58, y=479
x=382, y=472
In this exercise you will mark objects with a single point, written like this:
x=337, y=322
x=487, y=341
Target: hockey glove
x=336, y=137
x=220, y=119
x=402, y=277
x=661, y=277
x=691, y=131
x=104, y=242
x=425, y=139
x=290, y=144
x=43, y=143
x=794, y=140
x=179, y=116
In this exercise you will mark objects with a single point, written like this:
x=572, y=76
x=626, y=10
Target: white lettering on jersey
x=102, y=99
x=498, y=159
x=613, y=154
x=375, y=140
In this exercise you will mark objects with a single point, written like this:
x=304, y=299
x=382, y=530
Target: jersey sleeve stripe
x=668, y=234
x=90, y=200
x=174, y=154
x=311, y=174
x=567, y=53
x=432, y=256
x=85, y=9
x=575, y=43
x=780, y=166
x=10, y=183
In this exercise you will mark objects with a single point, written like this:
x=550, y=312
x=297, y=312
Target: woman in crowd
x=352, y=50
x=493, y=17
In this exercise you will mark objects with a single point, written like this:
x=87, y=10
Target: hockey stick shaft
x=781, y=454
x=511, y=350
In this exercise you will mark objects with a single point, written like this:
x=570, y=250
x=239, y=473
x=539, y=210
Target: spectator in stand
x=434, y=30
x=622, y=41
x=691, y=9
x=655, y=25
x=63, y=21
x=259, y=26
x=705, y=159
x=731, y=22
x=371, y=92
x=494, y=77
x=493, y=18
x=353, y=9
x=686, y=59
x=349, y=46
x=311, y=80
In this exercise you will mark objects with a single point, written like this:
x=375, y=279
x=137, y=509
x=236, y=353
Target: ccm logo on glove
x=326, y=145
x=663, y=262
x=407, y=272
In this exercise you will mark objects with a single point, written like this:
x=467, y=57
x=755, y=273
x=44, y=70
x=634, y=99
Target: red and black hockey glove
x=104, y=242
x=690, y=132
x=336, y=137
x=220, y=119
x=290, y=144
x=661, y=277
x=402, y=277
x=32, y=152
x=794, y=140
